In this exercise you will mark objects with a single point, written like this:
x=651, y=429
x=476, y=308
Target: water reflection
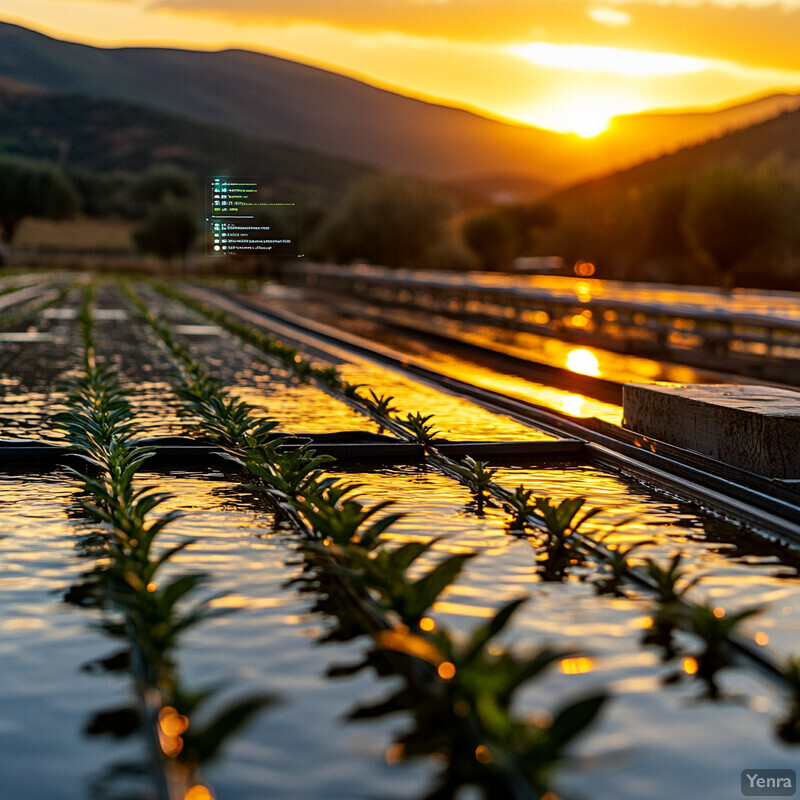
x=270, y=642
x=583, y=361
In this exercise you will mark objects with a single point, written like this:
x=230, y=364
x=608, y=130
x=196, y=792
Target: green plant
x=420, y=427
x=671, y=583
x=288, y=475
x=714, y=628
x=477, y=476
x=518, y=503
x=341, y=520
x=469, y=718
x=380, y=404
x=149, y=613
x=386, y=572
x=615, y=567
x=789, y=726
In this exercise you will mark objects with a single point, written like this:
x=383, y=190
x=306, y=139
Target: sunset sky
x=568, y=65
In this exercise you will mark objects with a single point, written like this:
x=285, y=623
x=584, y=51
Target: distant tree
x=33, y=189
x=664, y=213
x=731, y=214
x=528, y=219
x=385, y=219
x=497, y=236
x=493, y=238
x=105, y=194
x=160, y=182
x=168, y=230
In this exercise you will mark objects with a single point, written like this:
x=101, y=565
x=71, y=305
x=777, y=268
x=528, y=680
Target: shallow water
x=651, y=742
x=46, y=699
x=300, y=408
x=42, y=353
x=459, y=418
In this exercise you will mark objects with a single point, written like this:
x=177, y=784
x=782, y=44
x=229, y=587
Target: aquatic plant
x=420, y=427
x=147, y=612
x=715, y=628
x=477, y=476
x=615, y=568
x=518, y=504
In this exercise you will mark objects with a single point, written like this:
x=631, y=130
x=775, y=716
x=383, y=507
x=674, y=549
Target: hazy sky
x=563, y=64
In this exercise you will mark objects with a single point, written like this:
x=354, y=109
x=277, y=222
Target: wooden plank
x=756, y=428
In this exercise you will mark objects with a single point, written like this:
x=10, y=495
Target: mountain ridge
x=284, y=102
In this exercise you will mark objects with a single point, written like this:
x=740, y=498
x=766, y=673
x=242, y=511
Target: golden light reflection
x=689, y=666
x=583, y=290
x=573, y=405
x=395, y=753
x=583, y=361
x=579, y=321
x=762, y=638
x=427, y=624
x=400, y=640
x=576, y=666
x=198, y=792
x=483, y=754
x=446, y=670
x=171, y=727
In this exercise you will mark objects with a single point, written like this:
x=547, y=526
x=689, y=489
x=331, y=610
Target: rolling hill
x=80, y=132
x=275, y=100
x=777, y=138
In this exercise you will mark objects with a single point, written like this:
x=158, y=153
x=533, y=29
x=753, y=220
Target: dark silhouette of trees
x=33, y=189
x=492, y=237
x=168, y=229
x=499, y=235
x=664, y=220
x=386, y=220
x=731, y=215
x=160, y=182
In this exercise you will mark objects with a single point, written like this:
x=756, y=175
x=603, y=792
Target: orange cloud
x=762, y=36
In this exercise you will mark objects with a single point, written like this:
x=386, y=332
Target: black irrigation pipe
x=175, y=452
x=743, y=647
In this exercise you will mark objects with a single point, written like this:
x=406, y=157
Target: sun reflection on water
x=583, y=362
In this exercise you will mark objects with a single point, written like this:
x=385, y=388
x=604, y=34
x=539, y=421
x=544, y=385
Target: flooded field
x=103, y=679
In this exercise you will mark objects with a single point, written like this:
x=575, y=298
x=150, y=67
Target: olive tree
x=730, y=215
x=162, y=181
x=385, y=219
x=33, y=189
x=497, y=236
x=492, y=237
x=168, y=230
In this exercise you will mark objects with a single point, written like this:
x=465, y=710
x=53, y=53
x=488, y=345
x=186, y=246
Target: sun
x=577, y=113
x=584, y=110
x=587, y=123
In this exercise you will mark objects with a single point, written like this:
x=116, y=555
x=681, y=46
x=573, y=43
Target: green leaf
x=570, y=721
x=485, y=633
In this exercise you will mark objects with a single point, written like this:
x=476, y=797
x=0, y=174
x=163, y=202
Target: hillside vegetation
x=106, y=135
x=643, y=223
